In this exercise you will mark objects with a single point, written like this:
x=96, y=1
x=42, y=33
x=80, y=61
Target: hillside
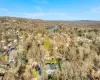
x=75, y=43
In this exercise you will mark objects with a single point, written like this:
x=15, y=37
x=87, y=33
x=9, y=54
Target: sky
x=51, y=9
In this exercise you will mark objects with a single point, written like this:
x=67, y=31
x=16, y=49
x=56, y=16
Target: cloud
x=43, y=14
x=32, y=14
x=38, y=8
x=96, y=10
x=44, y=1
x=3, y=10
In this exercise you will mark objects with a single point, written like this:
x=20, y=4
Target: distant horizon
x=44, y=19
x=52, y=9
